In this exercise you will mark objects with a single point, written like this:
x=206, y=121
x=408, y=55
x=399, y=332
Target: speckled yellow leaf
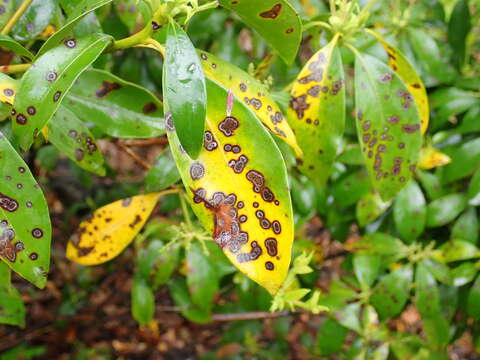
x=317, y=112
x=110, y=230
x=238, y=188
x=431, y=158
x=8, y=89
x=400, y=64
x=251, y=92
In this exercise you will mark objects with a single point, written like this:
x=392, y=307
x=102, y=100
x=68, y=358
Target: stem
x=25, y=4
x=14, y=69
x=249, y=316
x=333, y=9
x=207, y=6
x=134, y=156
x=153, y=44
x=186, y=213
x=321, y=24
x=368, y=7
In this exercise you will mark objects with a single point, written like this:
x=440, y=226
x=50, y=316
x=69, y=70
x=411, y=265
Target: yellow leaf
x=431, y=158
x=110, y=229
x=8, y=89
x=253, y=93
x=400, y=64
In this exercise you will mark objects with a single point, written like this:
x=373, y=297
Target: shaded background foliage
x=400, y=277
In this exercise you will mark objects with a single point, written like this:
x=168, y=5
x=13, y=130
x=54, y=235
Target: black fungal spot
x=299, y=105
x=21, y=169
x=336, y=87
x=269, y=266
x=314, y=91
x=254, y=254
x=203, y=56
x=57, y=95
x=7, y=203
x=19, y=186
x=79, y=154
x=8, y=92
x=209, y=142
x=271, y=246
x=289, y=31
x=31, y=110
x=51, y=76
x=106, y=88
x=21, y=119
x=155, y=26
x=197, y=171
x=169, y=122
x=228, y=126
x=239, y=164
x=386, y=77
x=276, y=227
x=37, y=233
x=28, y=204
x=273, y=12
x=410, y=128
x=243, y=87
x=149, y=108
x=70, y=43
x=33, y=256
x=126, y=202
x=416, y=86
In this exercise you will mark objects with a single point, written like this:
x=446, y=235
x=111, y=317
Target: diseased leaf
x=24, y=245
x=400, y=64
x=253, y=93
x=184, y=92
x=431, y=158
x=441, y=211
x=426, y=292
x=238, y=189
x=44, y=85
x=110, y=230
x=34, y=20
x=71, y=136
x=392, y=292
x=387, y=125
x=119, y=108
x=66, y=32
x=410, y=212
x=8, y=43
x=317, y=112
x=370, y=207
x=8, y=89
x=275, y=20
x=456, y=250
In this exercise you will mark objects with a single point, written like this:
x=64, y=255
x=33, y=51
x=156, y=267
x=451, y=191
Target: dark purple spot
x=37, y=233
x=272, y=13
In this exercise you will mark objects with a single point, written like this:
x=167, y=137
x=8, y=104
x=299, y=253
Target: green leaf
x=330, y=337
x=474, y=189
x=439, y=270
x=317, y=112
x=143, y=301
x=24, y=245
x=465, y=161
x=202, y=279
x=463, y=274
x=392, y=292
x=366, y=268
x=119, y=108
x=458, y=250
x=443, y=210
x=410, y=212
x=469, y=123
x=349, y=316
x=451, y=101
x=275, y=20
x=82, y=9
x=431, y=183
x=430, y=56
x=474, y=299
x=458, y=28
x=6, y=11
x=34, y=20
x=163, y=174
x=43, y=86
x=8, y=43
x=379, y=244
x=466, y=226
x=388, y=125
x=12, y=309
x=350, y=189
x=426, y=291
x=370, y=207
x=72, y=137
x=179, y=291
x=184, y=91
x=437, y=330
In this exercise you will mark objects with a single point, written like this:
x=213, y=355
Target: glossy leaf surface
x=275, y=20
x=253, y=93
x=24, y=245
x=370, y=207
x=400, y=64
x=8, y=43
x=119, y=108
x=317, y=112
x=388, y=125
x=8, y=89
x=426, y=291
x=71, y=136
x=466, y=227
x=143, y=301
x=458, y=28
x=44, y=85
x=36, y=18
x=184, y=92
x=465, y=161
x=238, y=189
x=410, y=212
x=110, y=230
x=163, y=173
x=443, y=210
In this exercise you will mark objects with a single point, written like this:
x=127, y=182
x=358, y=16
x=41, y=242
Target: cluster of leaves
x=346, y=126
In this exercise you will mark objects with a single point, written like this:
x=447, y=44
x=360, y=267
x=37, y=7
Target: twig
x=14, y=69
x=134, y=156
x=250, y=316
x=145, y=142
x=11, y=22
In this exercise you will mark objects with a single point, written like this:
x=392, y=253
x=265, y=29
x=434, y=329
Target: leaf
x=437, y=331
x=350, y=189
x=43, y=86
x=431, y=184
x=163, y=174
x=82, y=9
x=143, y=301
x=452, y=101
x=392, y=292
x=72, y=137
x=12, y=309
x=275, y=20
x=426, y=292
x=474, y=189
x=387, y=125
x=431, y=158
x=24, y=245
x=466, y=227
x=458, y=250
x=370, y=207
x=349, y=316
x=330, y=337
x=8, y=89
x=463, y=274
x=184, y=92
x=474, y=299
x=6, y=10
x=443, y=210
x=366, y=268
x=8, y=43
x=465, y=161
x=179, y=291
x=439, y=270
x=458, y=28
x=400, y=64
x=110, y=229
x=377, y=244
x=119, y=108
x=253, y=93
x=238, y=189
x=316, y=112
x=36, y=18
x=469, y=121
x=410, y=212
